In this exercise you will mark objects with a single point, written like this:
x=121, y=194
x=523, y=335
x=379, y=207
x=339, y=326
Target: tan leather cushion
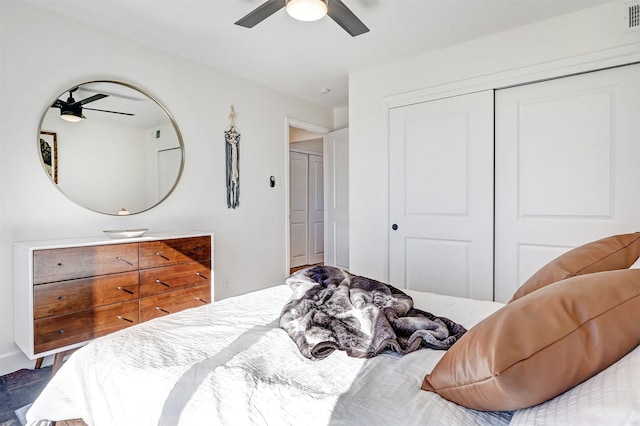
x=607, y=254
x=542, y=344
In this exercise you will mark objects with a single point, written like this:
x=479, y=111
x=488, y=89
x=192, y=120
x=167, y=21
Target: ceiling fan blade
x=104, y=110
x=92, y=98
x=261, y=13
x=57, y=104
x=344, y=17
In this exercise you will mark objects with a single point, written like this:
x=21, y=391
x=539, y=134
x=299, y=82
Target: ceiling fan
x=298, y=9
x=71, y=110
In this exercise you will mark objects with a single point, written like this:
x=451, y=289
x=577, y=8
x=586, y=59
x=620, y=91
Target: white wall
x=575, y=42
x=341, y=118
x=43, y=54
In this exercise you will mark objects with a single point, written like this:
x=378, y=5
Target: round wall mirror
x=110, y=147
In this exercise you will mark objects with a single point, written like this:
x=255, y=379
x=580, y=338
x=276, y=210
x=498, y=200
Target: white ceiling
x=303, y=58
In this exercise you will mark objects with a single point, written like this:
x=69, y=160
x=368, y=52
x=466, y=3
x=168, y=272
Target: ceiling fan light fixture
x=71, y=110
x=72, y=116
x=307, y=10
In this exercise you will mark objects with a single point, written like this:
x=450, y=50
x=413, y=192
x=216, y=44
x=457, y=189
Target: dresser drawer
x=176, y=277
x=170, y=252
x=68, y=292
x=59, y=331
x=79, y=262
x=76, y=295
x=169, y=303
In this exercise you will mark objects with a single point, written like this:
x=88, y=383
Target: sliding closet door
x=441, y=196
x=299, y=208
x=567, y=168
x=306, y=209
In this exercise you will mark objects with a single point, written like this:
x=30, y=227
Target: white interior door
x=336, y=157
x=567, y=168
x=441, y=196
x=316, y=210
x=168, y=167
x=299, y=208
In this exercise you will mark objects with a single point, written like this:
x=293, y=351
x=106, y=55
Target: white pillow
x=635, y=265
x=611, y=397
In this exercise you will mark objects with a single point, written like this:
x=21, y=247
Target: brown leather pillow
x=607, y=254
x=543, y=344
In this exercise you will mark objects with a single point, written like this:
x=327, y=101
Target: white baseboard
x=15, y=361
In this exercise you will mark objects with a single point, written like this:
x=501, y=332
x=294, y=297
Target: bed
x=230, y=363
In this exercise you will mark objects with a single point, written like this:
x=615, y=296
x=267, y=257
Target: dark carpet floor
x=18, y=389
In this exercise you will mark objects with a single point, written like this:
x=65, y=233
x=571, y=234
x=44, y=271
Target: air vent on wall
x=633, y=16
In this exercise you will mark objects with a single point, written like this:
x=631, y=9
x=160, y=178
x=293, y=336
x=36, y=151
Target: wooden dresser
x=67, y=292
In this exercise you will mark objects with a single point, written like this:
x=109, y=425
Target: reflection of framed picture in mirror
x=49, y=153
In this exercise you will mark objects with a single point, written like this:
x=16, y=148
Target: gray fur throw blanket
x=332, y=309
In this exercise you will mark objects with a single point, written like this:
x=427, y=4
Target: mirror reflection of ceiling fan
x=71, y=110
x=307, y=10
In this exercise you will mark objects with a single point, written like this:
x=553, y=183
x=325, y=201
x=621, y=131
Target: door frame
x=311, y=127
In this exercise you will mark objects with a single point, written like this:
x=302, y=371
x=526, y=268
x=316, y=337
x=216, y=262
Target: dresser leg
x=39, y=363
x=58, y=359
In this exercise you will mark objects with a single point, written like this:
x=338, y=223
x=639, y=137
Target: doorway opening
x=332, y=177
x=306, y=195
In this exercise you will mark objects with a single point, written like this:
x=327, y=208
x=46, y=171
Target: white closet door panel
x=298, y=244
x=565, y=145
x=316, y=209
x=441, y=196
x=444, y=265
x=567, y=168
x=436, y=164
x=299, y=208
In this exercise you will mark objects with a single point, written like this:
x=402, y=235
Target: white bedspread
x=229, y=363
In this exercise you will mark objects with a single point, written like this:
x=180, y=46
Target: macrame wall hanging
x=232, y=150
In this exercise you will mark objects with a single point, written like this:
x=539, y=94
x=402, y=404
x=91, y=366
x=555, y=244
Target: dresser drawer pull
x=123, y=260
x=61, y=331
x=124, y=319
x=201, y=276
x=163, y=283
x=125, y=290
x=162, y=310
x=61, y=298
x=202, y=300
x=162, y=256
